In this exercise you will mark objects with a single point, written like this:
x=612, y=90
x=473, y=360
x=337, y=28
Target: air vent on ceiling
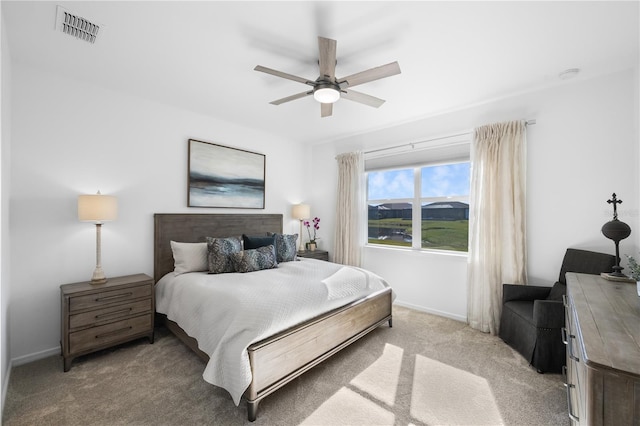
x=76, y=26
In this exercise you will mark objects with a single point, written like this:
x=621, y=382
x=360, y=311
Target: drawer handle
x=564, y=301
x=570, y=350
x=109, y=314
x=568, y=386
x=566, y=341
x=569, y=405
x=111, y=333
x=117, y=296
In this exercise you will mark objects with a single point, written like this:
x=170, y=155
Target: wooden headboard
x=194, y=228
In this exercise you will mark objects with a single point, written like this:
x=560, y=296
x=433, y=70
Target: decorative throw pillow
x=254, y=242
x=255, y=259
x=286, y=247
x=219, y=253
x=189, y=257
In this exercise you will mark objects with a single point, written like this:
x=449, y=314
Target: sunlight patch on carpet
x=346, y=407
x=380, y=379
x=446, y=395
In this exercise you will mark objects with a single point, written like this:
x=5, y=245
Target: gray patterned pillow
x=286, y=248
x=219, y=253
x=255, y=259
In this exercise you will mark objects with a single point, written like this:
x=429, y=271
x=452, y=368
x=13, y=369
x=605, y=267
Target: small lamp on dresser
x=301, y=212
x=98, y=209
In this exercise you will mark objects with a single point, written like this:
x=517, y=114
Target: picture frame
x=225, y=177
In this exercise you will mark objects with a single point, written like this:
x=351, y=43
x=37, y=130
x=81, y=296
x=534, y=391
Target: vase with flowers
x=634, y=270
x=315, y=224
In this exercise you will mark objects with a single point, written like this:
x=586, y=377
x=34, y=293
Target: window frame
x=416, y=205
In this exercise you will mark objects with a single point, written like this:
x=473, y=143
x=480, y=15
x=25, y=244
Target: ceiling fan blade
x=362, y=98
x=291, y=98
x=326, y=110
x=370, y=75
x=327, y=61
x=284, y=75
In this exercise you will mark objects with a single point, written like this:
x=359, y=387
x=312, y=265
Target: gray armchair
x=532, y=316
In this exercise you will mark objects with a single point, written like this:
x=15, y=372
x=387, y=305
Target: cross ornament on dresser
x=616, y=230
x=614, y=200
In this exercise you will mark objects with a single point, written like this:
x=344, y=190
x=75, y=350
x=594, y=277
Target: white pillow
x=189, y=257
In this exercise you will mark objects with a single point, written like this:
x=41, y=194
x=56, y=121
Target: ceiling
x=200, y=55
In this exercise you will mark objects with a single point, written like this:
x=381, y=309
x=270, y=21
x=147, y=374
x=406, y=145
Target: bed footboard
x=279, y=359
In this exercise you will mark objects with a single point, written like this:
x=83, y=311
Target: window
x=421, y=207
x=445, y=206
x=391, y=195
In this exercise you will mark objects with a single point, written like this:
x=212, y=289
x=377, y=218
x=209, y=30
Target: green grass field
x=436, y=234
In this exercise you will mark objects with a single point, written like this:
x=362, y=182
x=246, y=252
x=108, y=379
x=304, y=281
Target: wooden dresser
x=603, y=351
x=96, y=317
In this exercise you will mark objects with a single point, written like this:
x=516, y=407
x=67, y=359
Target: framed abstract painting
x=221, y=176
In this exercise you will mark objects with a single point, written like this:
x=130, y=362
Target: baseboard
x=25, y=359
x=432, y=311
x=5, y=386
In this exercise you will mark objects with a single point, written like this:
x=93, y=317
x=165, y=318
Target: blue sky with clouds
x=437, y=181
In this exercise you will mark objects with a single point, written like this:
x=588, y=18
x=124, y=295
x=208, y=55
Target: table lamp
x=98, y=209
x=301, y=212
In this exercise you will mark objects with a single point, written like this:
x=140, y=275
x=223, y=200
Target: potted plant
x=315, y=223
x=634, y=271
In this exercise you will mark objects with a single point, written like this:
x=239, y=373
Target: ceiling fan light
x=326, y=95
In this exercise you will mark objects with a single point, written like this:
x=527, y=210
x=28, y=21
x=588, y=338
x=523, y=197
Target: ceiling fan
x=328, y=89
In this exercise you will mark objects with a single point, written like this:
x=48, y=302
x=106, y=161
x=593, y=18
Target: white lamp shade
x=301, y=211
x=97, y=208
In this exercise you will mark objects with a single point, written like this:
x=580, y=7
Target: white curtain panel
x=347, y=248
x=497, y=245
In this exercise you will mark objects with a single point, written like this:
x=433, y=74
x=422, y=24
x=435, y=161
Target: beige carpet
x=426, y=370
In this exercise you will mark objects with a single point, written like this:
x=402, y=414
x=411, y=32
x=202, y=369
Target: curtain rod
x=411, y=144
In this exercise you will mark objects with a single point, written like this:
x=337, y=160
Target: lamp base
x=98, y=276
x=301, y=247
x=617, y=278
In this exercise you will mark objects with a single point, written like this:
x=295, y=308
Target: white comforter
x=228, y=312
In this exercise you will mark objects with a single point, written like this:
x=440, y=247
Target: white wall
x=71, y=138
x=583, y=148
x=5, y=120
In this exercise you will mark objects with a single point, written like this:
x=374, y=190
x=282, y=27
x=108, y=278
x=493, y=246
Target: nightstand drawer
x=105, y=334
x=316, y=254
x=98, y=300
x=113, y=313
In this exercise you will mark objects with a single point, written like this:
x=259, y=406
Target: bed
x=276, y=359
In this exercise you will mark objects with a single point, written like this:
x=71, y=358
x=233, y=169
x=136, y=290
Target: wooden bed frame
x=278, y=359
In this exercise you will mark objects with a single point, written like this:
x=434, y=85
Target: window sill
x=419, y=250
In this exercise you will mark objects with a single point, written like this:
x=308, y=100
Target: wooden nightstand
x=96, y=317
x=316, y=254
